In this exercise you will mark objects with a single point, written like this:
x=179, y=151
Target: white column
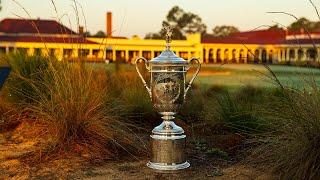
x=213, y=56
x=44, y=51
x=260, y=55
x=177, y=53
x=101, y=55
x=7, y=49
x=30, y=52
x=152, y=54
x=296, y=54
x=127, y=56
x=288, y=54
x=222, y=55
x=245, y=55
x=237, y=55
x=91, y=53
x=75, y=53
x=60, y=55
x=114, y=55
x=279, y=55
x=304, y=54
x=207, y=55
x=189, y=54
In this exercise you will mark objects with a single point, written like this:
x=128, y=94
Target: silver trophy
x=168, y=91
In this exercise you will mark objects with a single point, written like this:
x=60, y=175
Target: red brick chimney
x=81, y=30
x=109, y=24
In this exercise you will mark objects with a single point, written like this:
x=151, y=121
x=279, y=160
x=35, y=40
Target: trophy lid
x=167, y=56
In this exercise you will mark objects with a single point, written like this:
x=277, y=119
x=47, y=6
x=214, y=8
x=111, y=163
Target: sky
x=138, y=17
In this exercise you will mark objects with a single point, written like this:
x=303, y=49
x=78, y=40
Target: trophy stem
x=167, y=116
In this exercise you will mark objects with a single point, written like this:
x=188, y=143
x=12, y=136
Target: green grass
x=234, y=76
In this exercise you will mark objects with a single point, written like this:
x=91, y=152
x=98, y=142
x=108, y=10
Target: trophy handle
x=193, y=77
x=140, y=75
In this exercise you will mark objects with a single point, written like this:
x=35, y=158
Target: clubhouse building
x=49, y=37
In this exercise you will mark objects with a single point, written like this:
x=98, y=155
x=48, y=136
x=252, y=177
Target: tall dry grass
x=27, y=73
x=134, y=99
x=9, y=117
x=74, y=103
x=292, y=146
x=236, y=110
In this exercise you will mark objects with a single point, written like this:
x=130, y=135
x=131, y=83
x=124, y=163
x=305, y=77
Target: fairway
x=237, y=75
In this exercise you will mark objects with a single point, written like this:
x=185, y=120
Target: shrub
x=27, y=72
x=216, y=89
x=250, y=94
x=293, y=148
x=8, y=118
x=74, y=104
x=134, y=99
x=192, y=108
x=81, y=109
x=236, y=110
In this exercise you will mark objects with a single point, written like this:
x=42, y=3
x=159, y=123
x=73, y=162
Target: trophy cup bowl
x=168, y=91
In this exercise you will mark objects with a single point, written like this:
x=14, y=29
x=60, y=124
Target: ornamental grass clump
x=81, y=112
x=27, y=73
x=292, y=147
x=192, y=109
x=236, y=110
x=134, y=99
x=8, y=116
x=73, y=103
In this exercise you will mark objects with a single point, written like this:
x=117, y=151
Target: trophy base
x=167, y=167
x=168, y=145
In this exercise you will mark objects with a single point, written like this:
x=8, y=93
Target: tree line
x=187, y=22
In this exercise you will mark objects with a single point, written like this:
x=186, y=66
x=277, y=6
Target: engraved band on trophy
x=168, y=91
